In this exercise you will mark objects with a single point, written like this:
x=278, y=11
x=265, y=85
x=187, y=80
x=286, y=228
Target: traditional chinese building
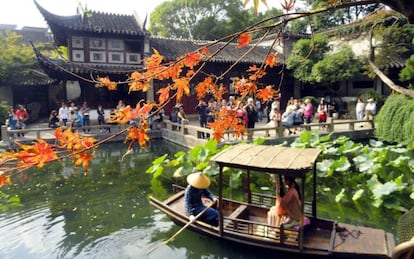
x=30, y=88
x=102, y=44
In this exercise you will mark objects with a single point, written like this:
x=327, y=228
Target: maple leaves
x=179, y=74
x=69, y=144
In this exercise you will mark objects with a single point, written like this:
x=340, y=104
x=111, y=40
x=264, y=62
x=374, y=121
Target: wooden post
x=4, y=134
x=331, y=125
x=220, y=198
x=249, y=191
x=352, y=125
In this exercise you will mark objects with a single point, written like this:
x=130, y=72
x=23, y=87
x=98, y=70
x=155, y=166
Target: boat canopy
x=269, y=159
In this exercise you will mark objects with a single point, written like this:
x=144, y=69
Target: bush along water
x=375, y=173
x=395, y=120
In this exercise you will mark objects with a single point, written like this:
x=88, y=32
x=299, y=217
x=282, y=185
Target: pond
x=106, y=214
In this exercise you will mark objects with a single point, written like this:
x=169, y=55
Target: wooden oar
x=179, y=231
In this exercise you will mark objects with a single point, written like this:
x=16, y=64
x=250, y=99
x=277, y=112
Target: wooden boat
x=245, y=222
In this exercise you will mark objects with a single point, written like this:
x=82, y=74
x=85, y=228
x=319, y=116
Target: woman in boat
x=197, y=188
x=288, y=206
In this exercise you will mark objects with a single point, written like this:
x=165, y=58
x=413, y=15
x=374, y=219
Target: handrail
x=9, y=135
x=188, y=129
x=193, y=130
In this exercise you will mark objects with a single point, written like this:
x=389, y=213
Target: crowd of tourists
x=249, y=111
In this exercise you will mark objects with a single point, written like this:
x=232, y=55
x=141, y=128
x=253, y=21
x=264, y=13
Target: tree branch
x=384, y=78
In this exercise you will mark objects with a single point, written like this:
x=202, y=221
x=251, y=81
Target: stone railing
x=190, y=134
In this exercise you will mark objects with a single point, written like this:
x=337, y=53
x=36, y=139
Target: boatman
x=197, y=188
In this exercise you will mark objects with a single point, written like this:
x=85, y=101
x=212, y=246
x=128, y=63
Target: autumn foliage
x=180, y=73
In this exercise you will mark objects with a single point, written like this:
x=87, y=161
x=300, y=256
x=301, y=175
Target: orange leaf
x=37, y=154
x=253, y=68
x=203, y=88
x=192, y=59
x=266, y=93
x=153, y=61
x=182, y=85
x=4, y=180
x=139, y=83
x=205, y=51
x=106, y=82
x=138, y=134
x=271, y=60
x=121, y=116
x=245, y=87
x=244, y=40
x=219, y=91
x=143, y=110
x=83, y=159
x=164, y=94
x=288, y=5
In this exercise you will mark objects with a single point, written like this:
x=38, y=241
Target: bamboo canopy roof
x=269, y=159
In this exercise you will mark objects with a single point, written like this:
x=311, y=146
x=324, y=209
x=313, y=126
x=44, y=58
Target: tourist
x=63, y=114
x=251, y=112
x=360, y=110
x=76, y=119
x=201, y=109
x=12, y=120
x=258, y=105
x=308, y=111
x=120, y=105
x=322, y=111
x=21, y=118
x=288, y=119
x=274, y=120
x=287, y=210
x=182, y=116
x=53, y=119
x=72, y=107
x=84, y=111
x=240, y=113
x=101, y=117
x=197, y=188
x=370, y=109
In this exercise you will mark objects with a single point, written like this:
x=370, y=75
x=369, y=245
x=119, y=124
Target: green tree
x=340, y=16
x=305, y=54
x=339, y=66
x=204, y=20
x=16, y=58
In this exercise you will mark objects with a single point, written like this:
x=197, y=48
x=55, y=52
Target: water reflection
x=106, y=214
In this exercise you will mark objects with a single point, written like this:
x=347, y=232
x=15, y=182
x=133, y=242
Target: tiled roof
x=34, y=78
x=95, y=22
x=173, y=48
x=29, y=34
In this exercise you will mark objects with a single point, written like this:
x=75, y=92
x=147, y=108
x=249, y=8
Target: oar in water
x=179, y=231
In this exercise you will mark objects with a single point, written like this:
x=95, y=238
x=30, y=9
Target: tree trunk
x=384, y=78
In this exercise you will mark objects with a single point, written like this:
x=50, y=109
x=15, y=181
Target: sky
x=25, y=12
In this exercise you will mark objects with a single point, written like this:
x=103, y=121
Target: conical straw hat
x=198, y=180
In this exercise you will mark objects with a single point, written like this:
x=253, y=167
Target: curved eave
x=98, y=23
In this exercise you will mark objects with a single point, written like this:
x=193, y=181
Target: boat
x=245, y=222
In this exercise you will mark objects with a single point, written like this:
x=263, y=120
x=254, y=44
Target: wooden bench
x=234, y=215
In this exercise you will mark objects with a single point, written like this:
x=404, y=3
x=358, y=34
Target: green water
x=106, y=214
